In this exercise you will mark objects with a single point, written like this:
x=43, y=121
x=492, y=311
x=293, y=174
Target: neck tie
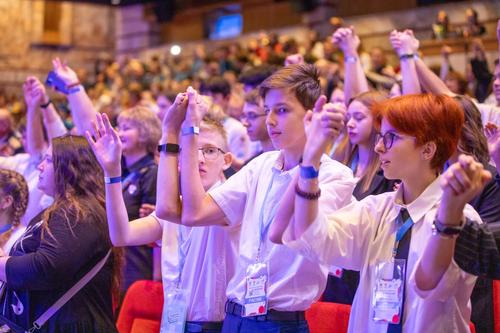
x=402, y=253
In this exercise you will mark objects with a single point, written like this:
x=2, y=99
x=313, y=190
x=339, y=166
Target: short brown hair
x=427, y=117
x=301, y=79
x=253, y=97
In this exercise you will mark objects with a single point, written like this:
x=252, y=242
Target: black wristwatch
x=172, y=148
x=446, y=230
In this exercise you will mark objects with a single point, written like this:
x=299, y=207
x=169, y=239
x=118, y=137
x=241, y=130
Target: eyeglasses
x=388, y=138
x=210, y=153
x=251, y=116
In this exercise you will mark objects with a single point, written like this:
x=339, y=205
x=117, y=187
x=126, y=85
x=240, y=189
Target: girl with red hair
x=402, y=242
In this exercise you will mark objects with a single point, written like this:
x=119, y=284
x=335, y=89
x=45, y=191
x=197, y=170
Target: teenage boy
x=272, y=285
x=219, y=89
x=254, y=119
x=197, y=260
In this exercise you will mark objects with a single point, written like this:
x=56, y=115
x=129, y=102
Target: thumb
x=192, y=96
x=320, y=102
x=308, y=116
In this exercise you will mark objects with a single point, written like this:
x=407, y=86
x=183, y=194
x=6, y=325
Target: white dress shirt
x=489, y=113
x=295, y=282
x=363, y=234
x=209, y=257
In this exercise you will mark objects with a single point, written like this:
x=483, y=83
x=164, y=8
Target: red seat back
x=326, y=317
x=496, y=305
x=142, y=308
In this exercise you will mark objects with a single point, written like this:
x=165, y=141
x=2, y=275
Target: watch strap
x=173, y=148
x=112, y=180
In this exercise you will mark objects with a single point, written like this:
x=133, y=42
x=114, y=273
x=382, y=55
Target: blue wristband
x=112, y=180
x=350, y=59
x=308, y=172
x=190, y=130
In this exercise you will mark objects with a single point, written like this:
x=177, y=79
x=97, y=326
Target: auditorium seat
x=496, y=305
x=141, y=309
x=326, y=317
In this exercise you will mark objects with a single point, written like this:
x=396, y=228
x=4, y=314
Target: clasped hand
x=322, y=126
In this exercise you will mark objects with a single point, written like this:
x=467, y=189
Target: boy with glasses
x=199, y=261
x=272, y=285
x=254, y=119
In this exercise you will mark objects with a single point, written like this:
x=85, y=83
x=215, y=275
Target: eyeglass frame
x=253, y=117
x=213, y=147
x=379, y=136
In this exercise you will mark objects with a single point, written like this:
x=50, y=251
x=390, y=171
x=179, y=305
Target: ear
x=228, y=160
x=6, y=202
x=429, y=150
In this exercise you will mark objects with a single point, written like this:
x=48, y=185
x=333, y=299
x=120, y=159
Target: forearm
x=34, y=133
x=445, y=68
x=3, y=264
x=53, y=123
x=355, y=81
x=306, y=210
x=116, y=211
x=82, y=110
x=411, y=84
x=429, y=81
x=168, y=205
x=192, y=189
x=438, y=253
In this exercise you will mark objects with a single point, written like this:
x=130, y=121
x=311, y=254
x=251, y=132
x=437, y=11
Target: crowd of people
x=253, y=182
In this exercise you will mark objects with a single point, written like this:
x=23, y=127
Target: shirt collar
x=425, y=201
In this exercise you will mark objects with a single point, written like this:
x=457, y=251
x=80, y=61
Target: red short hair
x=427, y=117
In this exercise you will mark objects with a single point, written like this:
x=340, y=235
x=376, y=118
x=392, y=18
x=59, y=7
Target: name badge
x=387, y=293
x=256, y=297
x=174, y=311
x=336, y=271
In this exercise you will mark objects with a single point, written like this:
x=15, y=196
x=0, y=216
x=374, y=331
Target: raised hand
x=446, y=51
x=64, y=72
x=293, y=59
x=492, y=132
x=28, y=98
x=175, y=115
x=196, y=108
x=322, y=125
x=461, y=182
x=347, y=40
x=404, y=42
x=107, y=146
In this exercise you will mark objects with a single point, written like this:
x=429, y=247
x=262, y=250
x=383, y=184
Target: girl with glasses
x=401, y=242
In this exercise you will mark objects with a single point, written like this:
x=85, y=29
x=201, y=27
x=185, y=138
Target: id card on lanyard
x=388, y=293
x=255, y=302
x=175, y=299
